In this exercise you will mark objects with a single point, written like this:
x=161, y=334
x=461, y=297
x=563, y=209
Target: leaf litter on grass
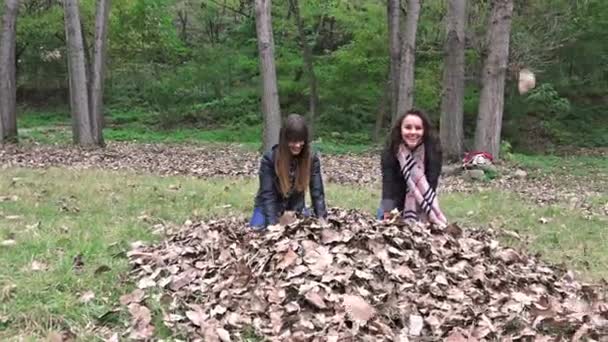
x=227, y=160
x=356, y=279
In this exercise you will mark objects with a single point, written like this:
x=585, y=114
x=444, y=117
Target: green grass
x=30, y=119
x=580, y=166
x=59, y=214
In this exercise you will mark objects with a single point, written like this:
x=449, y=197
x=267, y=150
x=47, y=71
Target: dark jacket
x=394, y=186
x=272, y=202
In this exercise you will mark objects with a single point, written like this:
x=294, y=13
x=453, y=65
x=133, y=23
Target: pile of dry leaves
x=355, y=279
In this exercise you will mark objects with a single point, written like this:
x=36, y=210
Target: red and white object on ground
x=477, y=158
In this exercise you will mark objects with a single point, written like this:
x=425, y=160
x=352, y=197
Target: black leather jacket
x=272, y=202
x=394, y=186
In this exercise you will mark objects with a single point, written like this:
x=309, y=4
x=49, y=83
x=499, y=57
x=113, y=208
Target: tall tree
x=99, y=66
x=394, y=44
x=86, y=98
x=408, y=57
x=452, y=101
x=270, y=95
x=308, y=65
x=8, y=90
x=381, y=112
x=79, y=97
x=491, y=100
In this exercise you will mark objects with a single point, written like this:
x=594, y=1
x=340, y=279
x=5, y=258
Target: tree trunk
x=73, y=113
x=452, y=101
x=8, y=88
x=78, y=74
x=98, y=71
x=308, y=65
x=408, y=57
x=381, y=113
x=270, y=95
x=491, y=99
x=394, y=44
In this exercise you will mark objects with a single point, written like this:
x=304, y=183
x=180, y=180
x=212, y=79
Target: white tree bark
x=8, y=88
x=491, y=100
x=452, y=101
x=270, y=94
x=408, y=57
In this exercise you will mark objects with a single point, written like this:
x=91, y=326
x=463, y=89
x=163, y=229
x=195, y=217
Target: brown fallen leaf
x=315, y=299
x=8, y=243
x=54, y=336
x=113, y=338
x=134, y=297
x=7, y=292
x=87, y=297
x=287, y=218
x=289, y=258
x=34, y=225
x=508, y=256
x=454, y=230
x=101, y=269
x=456, y=336
x=140, y=322
x=197, y=317
x=223, y=334
x=38, y=266
x=415, y=325
x=145, y=283
x=357, y=308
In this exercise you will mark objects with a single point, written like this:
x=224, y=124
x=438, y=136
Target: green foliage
x=490, y=174
x=30, y=119
x=547, y=100
x=506, y=150
x=195, y=64
x=571, y=165
x=143, y=30
x=41, y=46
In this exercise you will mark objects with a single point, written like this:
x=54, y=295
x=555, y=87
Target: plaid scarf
x=420, y=197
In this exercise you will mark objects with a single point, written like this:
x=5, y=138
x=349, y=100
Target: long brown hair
x=294, y=129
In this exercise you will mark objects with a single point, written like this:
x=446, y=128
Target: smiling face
x=412, y=130
x=295, y=147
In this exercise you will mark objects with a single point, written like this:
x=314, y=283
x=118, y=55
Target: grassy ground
x=53, y=127
x=571, y=166
x=56, y=216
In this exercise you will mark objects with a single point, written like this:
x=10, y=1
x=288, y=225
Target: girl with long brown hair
x=411, y=165
x=287, y=171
